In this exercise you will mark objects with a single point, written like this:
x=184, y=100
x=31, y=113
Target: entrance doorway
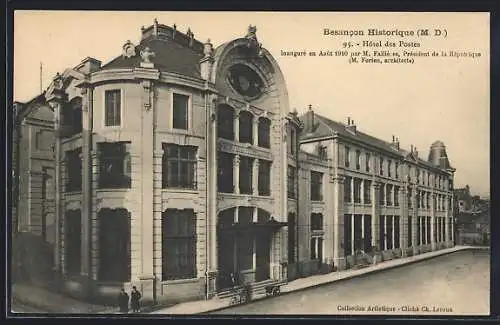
x=263, y=247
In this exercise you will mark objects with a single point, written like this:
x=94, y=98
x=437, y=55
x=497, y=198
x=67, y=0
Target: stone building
x=179, y=166
x=363, y=197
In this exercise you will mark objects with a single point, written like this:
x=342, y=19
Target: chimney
x=310, y=119
x=415, y=152
x=351, y=126
x=395, y=142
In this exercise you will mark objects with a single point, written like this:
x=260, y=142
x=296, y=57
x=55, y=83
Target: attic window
x=322, y=152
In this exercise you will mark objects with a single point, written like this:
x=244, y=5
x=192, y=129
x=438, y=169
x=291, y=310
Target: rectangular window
x=48, y=189
x=381, y=166
x=347, y=235
x=358, y=233
x=418, y=176
x=357, y=190
x=428, y=230
x=396, y=232
x=72, y=236
x=347, y=157
x=114, y=165
x=291, y=237
x=382, y=233
x=316, y=186
x=358, y=160
x=316, y=221
x=389, y=167
x=112, y=107
x=367, y=162
x=410, y=226
x=419, y=230
x=367, y=236
x=178, y=244
x=347, y=190
x=264, y=132
x=225, y=179
x=39, y=140
x=382, y=194
x=179, y=166
x=316, y=248
x=292, y=141
x=291, y=182
x=114, y=245
x=388, y=197
x=389, y=232
x=396, y=196
x=322, y=152
x=264, y=178
x=396, y=169
x=180, y=106
x=367, y=192
x=246, y=175
x=74, y=170
x=410, y=198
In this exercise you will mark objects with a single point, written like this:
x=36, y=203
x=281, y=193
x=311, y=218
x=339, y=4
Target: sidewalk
x=47, y=301
x=204, y=306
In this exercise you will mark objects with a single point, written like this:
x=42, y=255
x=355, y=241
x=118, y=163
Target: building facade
x=178, y=167
x=369, y=200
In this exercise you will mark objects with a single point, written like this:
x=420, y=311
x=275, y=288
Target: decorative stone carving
x=252, y=40
x=208, y=49
x=58, y=82
x=129, y=49
x=284, y=126
x=146, y=84
x=147, y=55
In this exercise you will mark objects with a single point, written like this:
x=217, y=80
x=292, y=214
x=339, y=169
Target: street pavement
x=453, y=284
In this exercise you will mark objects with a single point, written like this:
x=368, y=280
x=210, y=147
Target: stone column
x=94, y=256
x=329, y=245
x=236, y=125
x=56, y=103
x=255, y=133
x=145, y=186
x=403, y=221
x=255, y=176
x=433, y=224
x=87, y=184
x=375, y=212
x=211, y=186
x=338, y=222
x=447, y=226
x=236, y=174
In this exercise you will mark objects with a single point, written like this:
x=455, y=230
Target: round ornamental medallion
x=245, y=81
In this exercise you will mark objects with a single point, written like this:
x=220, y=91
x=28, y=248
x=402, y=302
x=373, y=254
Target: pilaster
x=433, y=222
x=236, y=173
x=375, y=193
x=338, y=222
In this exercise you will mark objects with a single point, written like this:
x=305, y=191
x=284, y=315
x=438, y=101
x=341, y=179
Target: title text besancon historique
x=369, y=32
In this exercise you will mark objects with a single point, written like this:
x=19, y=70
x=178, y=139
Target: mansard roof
x=174, y=52
x=323, y=127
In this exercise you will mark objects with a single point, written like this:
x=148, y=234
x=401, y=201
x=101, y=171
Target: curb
x=389, y=267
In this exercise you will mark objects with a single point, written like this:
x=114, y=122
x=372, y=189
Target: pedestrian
x=135, y=300
x=123, y=301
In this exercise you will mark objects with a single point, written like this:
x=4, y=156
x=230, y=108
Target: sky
x=436, y=98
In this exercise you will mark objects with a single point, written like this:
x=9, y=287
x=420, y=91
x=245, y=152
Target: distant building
x=179, y=166
x=473, y=218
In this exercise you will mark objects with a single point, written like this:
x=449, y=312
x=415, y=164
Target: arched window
x=246, y=127
x=114, y=245
x=225, y=122
x=264, y=132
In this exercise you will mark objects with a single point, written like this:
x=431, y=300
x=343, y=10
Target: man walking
x=123, y=301
x=135, y=300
